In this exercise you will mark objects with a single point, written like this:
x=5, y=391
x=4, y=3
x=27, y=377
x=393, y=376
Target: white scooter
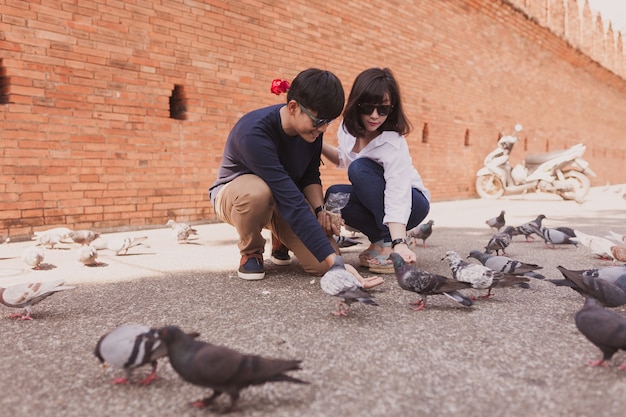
x=561, y=172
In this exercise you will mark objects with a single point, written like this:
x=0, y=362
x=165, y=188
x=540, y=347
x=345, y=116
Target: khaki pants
x=248, y=204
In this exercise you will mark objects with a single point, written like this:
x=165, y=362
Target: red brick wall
x=87, y=141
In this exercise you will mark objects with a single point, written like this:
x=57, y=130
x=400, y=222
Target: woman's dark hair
x=370, y=87
x=319, y=91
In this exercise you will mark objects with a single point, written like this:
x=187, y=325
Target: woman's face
x=373, y=115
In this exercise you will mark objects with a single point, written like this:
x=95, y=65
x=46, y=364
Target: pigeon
x=181, y=231
x=609, y=293
x=220, y=368
x=599, y=246
x=28, y=294
x=604, y=328
x=481, y=277
x=567, y=230
x=553, y=237
x=423, y=231
x=345, y=242
x=500, y=241
x=410, y=278
x=342, y=284
x=619, y=238
x=83, y=237
x=88, y=255
x=4, y=239
x=528, y=228
x=33, y=256
x=131, y=346
x=118, y=245
x=497, y=222
x=49, y=239
x=506, y=265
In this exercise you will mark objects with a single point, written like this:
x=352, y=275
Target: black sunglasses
x=316, y=122
x=381, y=109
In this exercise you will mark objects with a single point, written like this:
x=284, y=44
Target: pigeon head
x=451, y=256
x=170, y=334
x=397, y=260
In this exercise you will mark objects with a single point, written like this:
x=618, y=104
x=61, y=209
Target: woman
x=373, y=149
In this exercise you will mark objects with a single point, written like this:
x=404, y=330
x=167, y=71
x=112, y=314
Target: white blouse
x=390, y=150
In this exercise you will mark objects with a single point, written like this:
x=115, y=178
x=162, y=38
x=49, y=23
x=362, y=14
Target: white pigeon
x=49, y=239
x=342, y=284
x=481, y=277
x=599, y=246
x=63, y=231
x=617, y=237
x=181, y=231
x=33, y=256
x=4, y=239
x=128, y=347
x=84, y=237
x=119, y=245
x=88, y=255
x=28, y=294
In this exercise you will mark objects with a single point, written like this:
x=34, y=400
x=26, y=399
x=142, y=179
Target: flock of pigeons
x=226, y=371
x=602, y=288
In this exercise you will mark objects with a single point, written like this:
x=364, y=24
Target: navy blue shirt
x=258, y=145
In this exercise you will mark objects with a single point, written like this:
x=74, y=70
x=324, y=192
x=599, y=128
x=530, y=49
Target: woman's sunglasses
x=381, y=109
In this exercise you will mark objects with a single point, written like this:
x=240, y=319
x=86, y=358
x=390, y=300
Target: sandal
x=382, y=267
x=366, y=256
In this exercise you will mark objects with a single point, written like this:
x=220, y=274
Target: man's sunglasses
x=382, y=109
x=316, y=122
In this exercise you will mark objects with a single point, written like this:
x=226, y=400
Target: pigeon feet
x=600, y=362
x=342, y=309
x=622, y=367
x=419, y=305
x=147, y=380
x=21, y=317
x=120, y=381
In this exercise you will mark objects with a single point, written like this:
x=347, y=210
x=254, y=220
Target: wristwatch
x=397, y=242
x=319, y=209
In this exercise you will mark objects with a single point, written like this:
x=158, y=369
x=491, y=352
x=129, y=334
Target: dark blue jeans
x=366, y=207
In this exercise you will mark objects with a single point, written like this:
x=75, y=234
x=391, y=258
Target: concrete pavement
x=517, y=354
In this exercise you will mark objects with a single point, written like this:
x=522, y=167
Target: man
x=269, y=178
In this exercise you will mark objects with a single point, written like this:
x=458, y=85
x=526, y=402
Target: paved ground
x=516, y=354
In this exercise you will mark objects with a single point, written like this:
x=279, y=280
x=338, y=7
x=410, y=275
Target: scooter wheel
x=489, y=186
x=580, y=186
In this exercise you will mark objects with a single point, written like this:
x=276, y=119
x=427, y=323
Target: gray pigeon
x=33, y=256
x=497, y=222
x=481, y=277
x=130, y=346
x=83, y=237
x=553, y=237
x=506, y=265
x=529, y=228
x=88, y=255
x=604, y=328
x=181, y=231
x=410, y=278
x=119, y=245
x=423, y=231
x=500, y=241
x=222, y=369
x=609, y=293
x=28, y=294
x=342, y=284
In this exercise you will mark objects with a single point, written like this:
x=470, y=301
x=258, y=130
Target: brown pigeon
x=604, y=328
x=222, y=369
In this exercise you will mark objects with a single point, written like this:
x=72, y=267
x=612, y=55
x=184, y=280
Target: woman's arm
x=331, y=153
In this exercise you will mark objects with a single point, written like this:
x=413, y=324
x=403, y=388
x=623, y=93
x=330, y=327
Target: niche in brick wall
x=4, y=85
x=466, y=139
x=425, y=133
x=178, y=103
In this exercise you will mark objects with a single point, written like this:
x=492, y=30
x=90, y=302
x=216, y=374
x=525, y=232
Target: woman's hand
x=407, y=254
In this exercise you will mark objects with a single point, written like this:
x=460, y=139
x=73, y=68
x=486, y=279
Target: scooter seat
x=540, y=158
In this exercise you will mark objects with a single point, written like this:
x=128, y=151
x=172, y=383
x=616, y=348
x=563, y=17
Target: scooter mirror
x=518, y=127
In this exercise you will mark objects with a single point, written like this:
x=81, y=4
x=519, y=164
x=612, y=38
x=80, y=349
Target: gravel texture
x=515, y=354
